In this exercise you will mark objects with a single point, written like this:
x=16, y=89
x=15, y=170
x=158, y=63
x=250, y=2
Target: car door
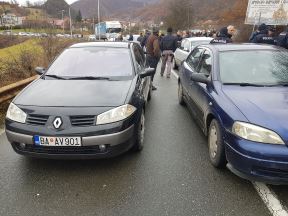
x=140, y=65
x=182, y=52
x=200, y=92
x=190, y=66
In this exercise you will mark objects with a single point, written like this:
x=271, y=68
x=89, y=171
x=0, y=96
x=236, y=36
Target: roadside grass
x=15, y=51
x=17, y=62
x=3, y=110
x=39, y=30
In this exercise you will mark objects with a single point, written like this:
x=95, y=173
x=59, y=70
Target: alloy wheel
x=213, y=142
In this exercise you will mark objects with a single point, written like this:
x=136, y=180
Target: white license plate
x=57, y=141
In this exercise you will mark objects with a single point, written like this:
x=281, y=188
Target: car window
x=139, y=57
x=194, y=44
x=92, y=61
x=194, y=58
x=205, y=65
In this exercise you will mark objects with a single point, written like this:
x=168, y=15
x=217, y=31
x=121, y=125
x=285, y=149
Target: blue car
x=239, y=97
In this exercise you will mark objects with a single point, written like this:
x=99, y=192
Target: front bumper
x=116, y=144
x=256, y=161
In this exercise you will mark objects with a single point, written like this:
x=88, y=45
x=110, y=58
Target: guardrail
x=10, y=91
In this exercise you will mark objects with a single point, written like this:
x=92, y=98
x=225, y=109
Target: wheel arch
x=209, y=118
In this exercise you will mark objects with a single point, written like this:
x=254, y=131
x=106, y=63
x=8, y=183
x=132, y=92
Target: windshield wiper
x=245, y=84
x=89, y=78
x=56, y=77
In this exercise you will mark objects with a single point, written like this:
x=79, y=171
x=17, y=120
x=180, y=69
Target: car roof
x=103, y=44
x=199, y=39
x=241, y=46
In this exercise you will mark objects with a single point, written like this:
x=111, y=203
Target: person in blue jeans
x=168, y=46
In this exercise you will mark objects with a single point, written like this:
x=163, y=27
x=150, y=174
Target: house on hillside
x=10, y=19
x=59, y=23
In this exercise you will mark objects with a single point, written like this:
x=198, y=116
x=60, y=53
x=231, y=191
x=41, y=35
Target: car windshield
x=114, y=30
x=254, y=67
x=92, y=62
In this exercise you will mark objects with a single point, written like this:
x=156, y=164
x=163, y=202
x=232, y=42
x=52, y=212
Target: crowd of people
x=159, y=46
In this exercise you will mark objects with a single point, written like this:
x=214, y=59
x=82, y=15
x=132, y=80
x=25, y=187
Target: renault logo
x=57, y=122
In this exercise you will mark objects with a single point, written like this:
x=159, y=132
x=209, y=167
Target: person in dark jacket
x=262, y=27
x=140, y=38
x=179, y=38
x=145, y=38
x=168, y=46
x=225, y=35
x=282, y=39
x=153, y=52
x=265, y=37
x=161, y=36
x=131, y=38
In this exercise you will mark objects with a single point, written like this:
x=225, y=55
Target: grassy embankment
x=12, y=54
x=15, y=51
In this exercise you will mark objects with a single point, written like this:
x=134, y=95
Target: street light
x=70, y=22
x=63, y=20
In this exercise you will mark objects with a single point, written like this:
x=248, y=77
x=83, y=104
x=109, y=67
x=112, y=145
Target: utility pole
x=188, y=18
x=63, y=21
x=70, y=22
x=99, y=20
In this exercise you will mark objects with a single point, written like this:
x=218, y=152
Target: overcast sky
x=22, y=2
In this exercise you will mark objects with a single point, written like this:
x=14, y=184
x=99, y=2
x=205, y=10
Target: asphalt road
x=172, y=176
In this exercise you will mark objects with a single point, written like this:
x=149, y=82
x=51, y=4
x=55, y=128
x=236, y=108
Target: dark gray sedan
x=90, y=103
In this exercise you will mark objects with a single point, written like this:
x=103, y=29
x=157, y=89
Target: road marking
x=175, y=74
x=270, y=199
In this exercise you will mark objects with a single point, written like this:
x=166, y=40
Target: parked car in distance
x=187, y=45
x=81, y=108
x=60, y=35
x=238, y=96
x=92, y=38
x=22, y=34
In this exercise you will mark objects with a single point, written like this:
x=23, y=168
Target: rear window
x=92, y=61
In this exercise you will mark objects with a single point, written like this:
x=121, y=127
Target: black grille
x=61, y=150
x=82, y=121
x=37, y=119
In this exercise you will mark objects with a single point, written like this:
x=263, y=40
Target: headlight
x=117, y=114
x=256, y=134
x=16, y=114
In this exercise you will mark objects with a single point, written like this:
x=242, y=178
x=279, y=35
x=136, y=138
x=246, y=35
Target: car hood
x=74, y=93
x=263, y=106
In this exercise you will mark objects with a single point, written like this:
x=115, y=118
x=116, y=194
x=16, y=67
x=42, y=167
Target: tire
x=139, y=133
x=149, y=96
x=216, y=145
x=149, y=93
x=180, y=94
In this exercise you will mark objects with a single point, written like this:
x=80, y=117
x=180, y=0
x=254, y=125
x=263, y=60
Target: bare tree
x=180, y=14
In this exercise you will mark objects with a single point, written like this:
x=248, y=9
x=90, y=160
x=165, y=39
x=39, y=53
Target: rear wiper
x=245, y=84
x=56, y=77
x=89, y=78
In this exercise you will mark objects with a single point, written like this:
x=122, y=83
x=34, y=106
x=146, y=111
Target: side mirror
x=147, y=72
x=40, y=70
x=200, y=77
